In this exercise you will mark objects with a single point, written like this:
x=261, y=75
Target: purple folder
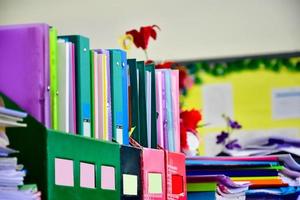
x=24, y=68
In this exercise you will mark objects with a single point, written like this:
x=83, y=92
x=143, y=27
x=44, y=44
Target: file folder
x=24, y=71
x=143, y=139
x=154, y=180
x=175, y=176
x=134, y=99
x=54, y=79
x=131, y=183
x=83, y=83
x=119, y=90
x=150, y=70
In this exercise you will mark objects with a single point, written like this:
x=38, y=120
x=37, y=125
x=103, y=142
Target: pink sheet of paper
x=108, y=178
x=176, y=111
x=153, y=167
x=159, y=109
x=64, y=172
x=87, y=175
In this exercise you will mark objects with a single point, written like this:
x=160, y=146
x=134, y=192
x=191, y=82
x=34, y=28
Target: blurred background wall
x=190, y=29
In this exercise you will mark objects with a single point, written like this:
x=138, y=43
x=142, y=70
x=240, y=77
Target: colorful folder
x=175, y=108
x=143, y=139
x=24, y=71
x=175, y=176
x=131, y=183
x=83, y=83
x=64, y=87
x=134, y=99
x=151, y=105
x=118, y=69
x=154, y=181
x=169, y=113
x=159, y=108
x=54, y=79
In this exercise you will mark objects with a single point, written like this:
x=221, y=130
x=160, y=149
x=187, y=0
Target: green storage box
x=55, y=160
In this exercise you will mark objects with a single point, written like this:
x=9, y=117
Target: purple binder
x=24, y=68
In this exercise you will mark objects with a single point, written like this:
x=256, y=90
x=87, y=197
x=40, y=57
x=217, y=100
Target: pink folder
x=175, y=105
x=175, y=176
x=153, y=170
x=159, y=108
x=24, y=68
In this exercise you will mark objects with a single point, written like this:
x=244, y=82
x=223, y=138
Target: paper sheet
x=217, y=100
x=286, y=103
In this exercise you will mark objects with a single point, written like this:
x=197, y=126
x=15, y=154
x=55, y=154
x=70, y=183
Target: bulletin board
x=264, y=101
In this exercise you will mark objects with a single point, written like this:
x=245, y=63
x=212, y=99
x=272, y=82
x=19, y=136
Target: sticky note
x=154, y=183
x=177, y=184
x=107, y=177
x=87, y=175
x=64, y=172
x=129, y=184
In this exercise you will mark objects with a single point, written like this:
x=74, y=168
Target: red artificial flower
x=141, y=38
x=164, y=65
x=190, y=119
x=183, y=136
x=185, y=81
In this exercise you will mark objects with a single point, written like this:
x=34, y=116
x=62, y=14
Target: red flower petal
x=141, y=38
x=190, y=119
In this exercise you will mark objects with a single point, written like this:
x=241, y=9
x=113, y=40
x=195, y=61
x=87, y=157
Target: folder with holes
x=83, y=83
x=61, y=171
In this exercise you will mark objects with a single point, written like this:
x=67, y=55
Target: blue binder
x=119, y=95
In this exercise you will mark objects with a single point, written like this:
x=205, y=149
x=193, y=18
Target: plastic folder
x=159, y=108
x=24, y=71
x=169, y=113
x=154, y=182
x=134, y=99
x=175, y=176
x=118, y=69
x=83, y=83
x=64, y=76
x=151, y=86
x=143, y=139
x=131, y=183
x=175, y=108
x=54, y=79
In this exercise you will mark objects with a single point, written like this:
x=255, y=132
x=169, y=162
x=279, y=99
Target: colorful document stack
x=240, y=177
x=11, y=174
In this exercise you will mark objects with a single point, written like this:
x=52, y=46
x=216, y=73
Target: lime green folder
x=53, y=78
x=202, y=187
x=41, y=149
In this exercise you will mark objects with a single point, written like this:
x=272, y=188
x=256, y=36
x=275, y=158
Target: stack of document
x=267, y=146
x=11, y=118
x=12, y=174
x=255, y=177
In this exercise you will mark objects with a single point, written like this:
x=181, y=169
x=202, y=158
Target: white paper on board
x=286, y=103
x=217, y=100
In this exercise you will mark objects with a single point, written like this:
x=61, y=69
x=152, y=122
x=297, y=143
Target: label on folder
x=87, y=128
x=119, y=132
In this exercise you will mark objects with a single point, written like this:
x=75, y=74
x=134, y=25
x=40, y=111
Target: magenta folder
x=153, y=170
x=24, y=68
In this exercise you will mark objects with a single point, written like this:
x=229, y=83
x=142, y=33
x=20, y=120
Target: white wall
x=190, y=28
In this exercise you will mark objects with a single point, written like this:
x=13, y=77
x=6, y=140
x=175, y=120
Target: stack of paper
x=12, y=174
x=239, y=177
x=268, y=146
x=11, y=118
